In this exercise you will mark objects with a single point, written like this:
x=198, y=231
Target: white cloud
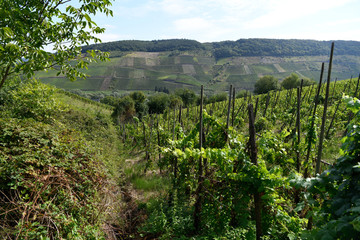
x=177, y=7
x=192, y=24
x=215, y=20
x=342, y=22
x=281, y=11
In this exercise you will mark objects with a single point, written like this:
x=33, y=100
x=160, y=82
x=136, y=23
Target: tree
x=291, y=81
x=140, y=104
x=266, y=84
x=110, y=100
x=175, y=101
x=219, y=97
x=124, y=110
x=27, y=27
x=188, y=96
x=158, y=103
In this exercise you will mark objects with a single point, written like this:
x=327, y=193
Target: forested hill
x=282, y=48
x=147, y=46
x=241, y=47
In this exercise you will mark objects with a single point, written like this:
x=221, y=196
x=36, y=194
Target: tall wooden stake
x=357, y=87
x=233, y=107
x=298, y=130
x=318, y=160
x=256, y=107
x=267, y=103
x=197, y=211
x=306, y=174
x=229, y=109
x=253, y=157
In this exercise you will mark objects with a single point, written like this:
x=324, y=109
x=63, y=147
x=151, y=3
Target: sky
x=220, y=20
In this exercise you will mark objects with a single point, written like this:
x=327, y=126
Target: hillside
x=144, y=65
x=68, y=171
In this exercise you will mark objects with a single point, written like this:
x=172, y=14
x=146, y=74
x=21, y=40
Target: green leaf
x=87, y=17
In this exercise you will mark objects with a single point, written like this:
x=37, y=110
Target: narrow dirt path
x=105, y=84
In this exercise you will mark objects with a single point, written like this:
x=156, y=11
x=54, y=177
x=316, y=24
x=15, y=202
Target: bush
x=291, y=81
x=124, y=110
x=266, y=84
x=158, y=103
x=220, y=97
x=32, y=100
x=188, y=96
x=49, y=182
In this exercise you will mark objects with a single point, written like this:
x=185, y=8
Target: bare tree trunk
x=5, y=76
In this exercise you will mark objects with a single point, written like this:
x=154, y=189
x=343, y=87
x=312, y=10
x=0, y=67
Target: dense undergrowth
x=56, y=164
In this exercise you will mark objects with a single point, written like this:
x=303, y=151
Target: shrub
x=49, y=183
x=266, y=84
x=33, y=100
x=158, y=103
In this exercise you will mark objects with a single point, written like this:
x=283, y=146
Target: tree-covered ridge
x=281, y=48
x=147, y=46
x=241, y=47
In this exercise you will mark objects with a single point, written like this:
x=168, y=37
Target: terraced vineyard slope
x=138, y=65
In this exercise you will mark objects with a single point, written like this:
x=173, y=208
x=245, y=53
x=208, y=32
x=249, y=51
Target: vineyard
x=257, y=167
x=279, y=165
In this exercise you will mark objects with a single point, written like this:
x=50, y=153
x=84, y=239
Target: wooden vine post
x=266, y=104
x=333, y=93
x=158, y=135
x=276, y=100
x=298, y=130
x=256, y=107
x=253, y=157
x=180, y=113
x=197, y=210
x=322, y=131
x=309, y=141
x=233, y=107
x=357, y=87
x=229, y=109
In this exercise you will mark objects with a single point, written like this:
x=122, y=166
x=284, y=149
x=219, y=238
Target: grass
x=150, y=183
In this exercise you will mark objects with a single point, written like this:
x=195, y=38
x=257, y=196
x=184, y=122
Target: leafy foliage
x=28, y=27
x=124, y=109
x=188, y=96
x=49, y=180
x=291, y=81
x=266, y=84
x=338, y=188
x=32, y=100
x=158, y=103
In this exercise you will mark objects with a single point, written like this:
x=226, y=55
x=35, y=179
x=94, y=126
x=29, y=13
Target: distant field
x=147, y=70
